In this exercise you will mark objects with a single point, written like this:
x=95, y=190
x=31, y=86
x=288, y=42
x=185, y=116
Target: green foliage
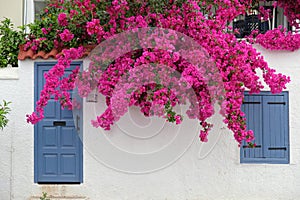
x=4, y=110
x=44, y=197
x=48, y=20
x=10, y=39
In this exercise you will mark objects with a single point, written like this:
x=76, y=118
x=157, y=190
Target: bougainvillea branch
x=276, y=39
x=56, y=85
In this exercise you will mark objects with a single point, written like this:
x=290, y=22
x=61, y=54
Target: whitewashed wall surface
x=170, y=163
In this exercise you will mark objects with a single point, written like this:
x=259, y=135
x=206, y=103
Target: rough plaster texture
x=216, y=174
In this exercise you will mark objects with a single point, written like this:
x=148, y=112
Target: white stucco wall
x=215, y=174
x=13, y=10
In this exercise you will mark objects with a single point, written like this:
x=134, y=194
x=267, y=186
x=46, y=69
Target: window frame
x=29, y=11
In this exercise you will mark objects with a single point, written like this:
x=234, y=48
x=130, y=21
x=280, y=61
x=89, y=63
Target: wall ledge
x=9, y=73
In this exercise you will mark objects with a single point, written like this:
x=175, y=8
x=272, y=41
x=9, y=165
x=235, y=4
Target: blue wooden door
x=58, y=148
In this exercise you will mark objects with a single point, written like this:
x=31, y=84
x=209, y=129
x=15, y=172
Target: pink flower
x=44, y=30
x=178, y=119
x=263, y=13
x=94, y=27
x=62, y=19
x=34, y=48
x=73, y=12
x=66, y=35
x=203, y=136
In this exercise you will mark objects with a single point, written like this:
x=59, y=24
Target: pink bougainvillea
x=264, y=14
x=62, y=19
x=66, y=35
x=236, y=61
x=57, y=86
x=277, y=39
x=291, y=10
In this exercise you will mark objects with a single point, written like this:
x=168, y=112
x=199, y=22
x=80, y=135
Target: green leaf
x=4, y=110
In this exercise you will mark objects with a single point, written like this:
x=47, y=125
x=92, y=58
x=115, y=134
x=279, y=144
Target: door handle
x=77, y=122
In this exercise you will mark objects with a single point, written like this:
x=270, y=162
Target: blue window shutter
x=276, y=143
x=58, y=148
x=267, y=116
x=252, y=107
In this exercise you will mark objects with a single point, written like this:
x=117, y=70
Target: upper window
x=32, y=8
x=251, y=21
x=267, y=115
x=39, y=5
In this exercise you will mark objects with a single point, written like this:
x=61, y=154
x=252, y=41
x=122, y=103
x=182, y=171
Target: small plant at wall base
x=4, y=110
x=10, y=39
x=44, y=196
